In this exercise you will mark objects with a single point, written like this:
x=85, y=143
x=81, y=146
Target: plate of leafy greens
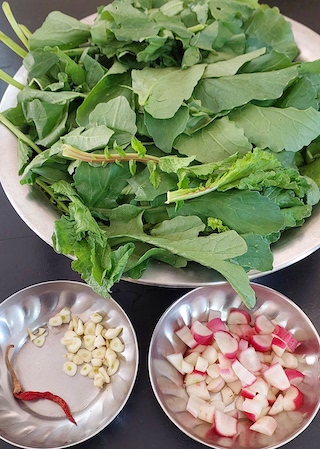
x=167, y=143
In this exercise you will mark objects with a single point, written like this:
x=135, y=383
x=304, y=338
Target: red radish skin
x=263, y=325
x=244, y=331
x=216, y=324
x=201, y=333
x=228, y=345
x=295, y=376
x=293, y=399
x=261, y=342
x=287, y=337
x=238, y=316
x=278, y=346
x=194, y=377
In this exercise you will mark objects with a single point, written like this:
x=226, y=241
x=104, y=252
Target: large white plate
x=39, y=214
x=42, y=424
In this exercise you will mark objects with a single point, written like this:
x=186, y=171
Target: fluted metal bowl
x=42, y=424
x=167, y=383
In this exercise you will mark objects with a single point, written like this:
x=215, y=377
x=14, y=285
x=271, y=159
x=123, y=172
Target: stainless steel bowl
x=42, y=424
x=167, y=383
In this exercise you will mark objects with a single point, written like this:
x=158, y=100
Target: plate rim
x=29, y=199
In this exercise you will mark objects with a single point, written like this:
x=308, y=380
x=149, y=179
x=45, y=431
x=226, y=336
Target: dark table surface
x=25, y=260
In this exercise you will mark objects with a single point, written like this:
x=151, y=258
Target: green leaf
x=60, y=30
x=278, y=129
x=225, y=93
x=215, y=142
x=167, y=89
x=244, y=211
x=164, y=131
x=90, y=139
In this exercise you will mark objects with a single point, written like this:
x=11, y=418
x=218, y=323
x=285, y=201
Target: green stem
x=62, y=206
x=73, y=153
x=14, y=25
x=25, y=30
x=188, y=194
x=19, y=134
x=9, y=80
x=12, y=45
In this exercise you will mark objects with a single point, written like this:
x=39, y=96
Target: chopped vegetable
x=173, y=131
x=35, y=395
x=229, y=374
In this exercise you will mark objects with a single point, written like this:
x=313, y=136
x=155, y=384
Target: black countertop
x=25, y=260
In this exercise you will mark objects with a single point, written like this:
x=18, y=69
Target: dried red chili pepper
x=34, y=395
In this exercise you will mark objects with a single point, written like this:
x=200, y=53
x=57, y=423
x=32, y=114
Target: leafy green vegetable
x=180, y=131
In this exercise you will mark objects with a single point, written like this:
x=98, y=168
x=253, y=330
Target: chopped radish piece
x=276, y=377
x=244, y=331
x=201, y=333
x=200, y=390
x=228, y=345
x=206, y=412
x=216, y=324
x=295, y=376
x=290, y=360
x=261, y=342
x=277, y=406
x=249, y=359
x=227, y=395
x=176, y=360
x=287, y=337
x=227, y=374
x=293, y=398
x=246, y=377
x=225, y=425
x=266, y=425
x=263, y=325
x=194, y=377
x=238, y=316
x=241, y=368
x=193, y=405
x=278, y=346
x=210, y=354
x=202, y=364
x=216, y=384
x=186, y=336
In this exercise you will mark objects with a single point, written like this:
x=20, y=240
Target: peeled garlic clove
x=69, y=335
x=110, y=356
x=99, y=380
x=112, y=332
x=96, y=362
x=99, y=341
x=85, y=370
x=93, y=372
x=99, y=353
x=99, y=329
x=41, y=331
x=89, y=328
x=77, y=359
x=96, y=317
x=69, y=356
x=75, y=345
x=116, y=344
x=111, y=370
x=65, y=311
x=85, y=355
x=105, y=374
x=32, y=336
x=88, y=341
x=55, y=320
x=39, y=341
x=70, y=368
x=80, y=329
